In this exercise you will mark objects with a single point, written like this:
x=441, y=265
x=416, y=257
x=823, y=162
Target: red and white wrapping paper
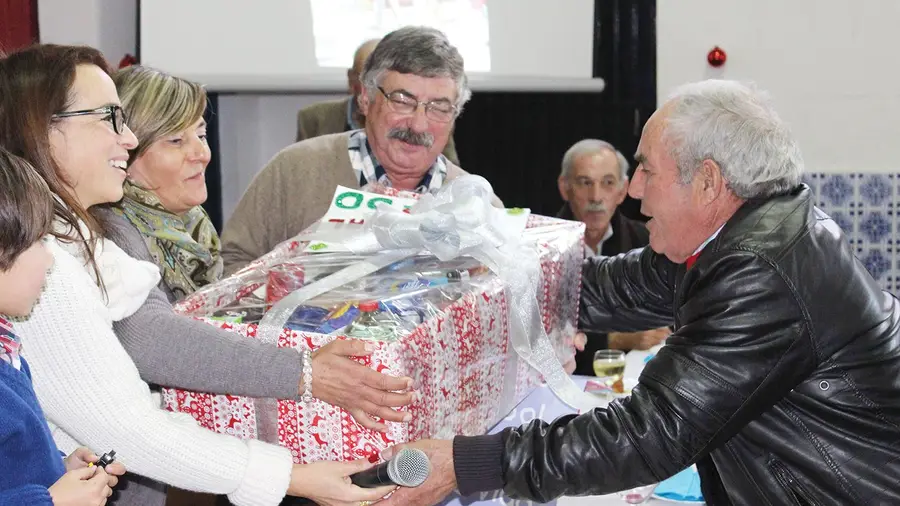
x=461, y=361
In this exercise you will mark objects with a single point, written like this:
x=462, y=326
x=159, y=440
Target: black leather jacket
x=781, y=381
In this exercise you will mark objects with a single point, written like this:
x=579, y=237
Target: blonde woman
x=166, y=182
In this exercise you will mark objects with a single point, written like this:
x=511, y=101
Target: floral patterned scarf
x=186, y=248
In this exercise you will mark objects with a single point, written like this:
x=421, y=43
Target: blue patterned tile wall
x=865, y=206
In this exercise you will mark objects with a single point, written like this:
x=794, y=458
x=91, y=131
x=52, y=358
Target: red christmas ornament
x=716, y=57
x=127, y=61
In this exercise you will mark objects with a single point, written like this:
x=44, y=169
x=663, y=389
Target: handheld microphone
x=409, y=468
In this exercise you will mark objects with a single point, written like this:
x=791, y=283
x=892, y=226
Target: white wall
x=829, y=66
x=108, y=25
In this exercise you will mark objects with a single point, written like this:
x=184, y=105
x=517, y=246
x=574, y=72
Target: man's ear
x=711, y=180
x=563, y=185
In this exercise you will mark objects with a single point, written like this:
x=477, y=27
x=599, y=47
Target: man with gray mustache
x=414, y=87
x=593, y=182
x=409, y=136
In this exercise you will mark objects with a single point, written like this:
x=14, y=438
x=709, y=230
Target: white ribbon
x=458, y=220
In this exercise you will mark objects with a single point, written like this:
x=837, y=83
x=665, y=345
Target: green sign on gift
x=351, y=199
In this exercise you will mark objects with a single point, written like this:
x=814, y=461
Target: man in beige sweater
x=414, y=87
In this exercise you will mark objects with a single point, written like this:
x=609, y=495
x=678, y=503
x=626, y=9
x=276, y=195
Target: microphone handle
x=374, y=477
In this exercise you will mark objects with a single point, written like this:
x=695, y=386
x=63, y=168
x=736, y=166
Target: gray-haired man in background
x=593, y=182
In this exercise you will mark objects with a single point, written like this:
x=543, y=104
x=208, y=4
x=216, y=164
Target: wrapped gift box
x=459, y=356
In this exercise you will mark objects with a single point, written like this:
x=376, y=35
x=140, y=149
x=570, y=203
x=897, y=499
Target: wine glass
x=609, y=367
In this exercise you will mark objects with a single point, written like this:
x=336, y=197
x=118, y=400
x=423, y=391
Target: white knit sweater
x=93, y=396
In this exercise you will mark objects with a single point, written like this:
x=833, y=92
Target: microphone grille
x=409, y=468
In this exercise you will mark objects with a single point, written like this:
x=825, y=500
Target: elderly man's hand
x=638, y=340
x=441, y=481
x=340, y=381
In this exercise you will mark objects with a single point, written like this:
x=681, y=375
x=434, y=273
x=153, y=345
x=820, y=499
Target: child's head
x=26, y=214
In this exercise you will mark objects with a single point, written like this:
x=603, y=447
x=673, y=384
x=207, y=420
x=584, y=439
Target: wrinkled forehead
x=423, y=88
x=596, y=165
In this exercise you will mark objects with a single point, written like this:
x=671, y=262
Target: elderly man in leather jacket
x=781, y=379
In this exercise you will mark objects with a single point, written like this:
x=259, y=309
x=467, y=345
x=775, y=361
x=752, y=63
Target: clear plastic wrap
x=407, y=293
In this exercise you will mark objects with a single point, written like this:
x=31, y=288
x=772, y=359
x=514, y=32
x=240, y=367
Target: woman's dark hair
x=35, y=84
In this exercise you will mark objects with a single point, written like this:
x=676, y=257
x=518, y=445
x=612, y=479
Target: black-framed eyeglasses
x=437, y=110
x=114, y=114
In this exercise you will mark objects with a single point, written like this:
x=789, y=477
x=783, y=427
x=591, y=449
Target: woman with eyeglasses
x=60, y=111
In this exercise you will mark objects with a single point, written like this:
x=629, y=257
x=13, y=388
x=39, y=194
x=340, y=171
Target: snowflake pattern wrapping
x=457, y=359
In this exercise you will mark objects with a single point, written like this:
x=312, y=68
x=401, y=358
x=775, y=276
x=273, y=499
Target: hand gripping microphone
x=409, y=468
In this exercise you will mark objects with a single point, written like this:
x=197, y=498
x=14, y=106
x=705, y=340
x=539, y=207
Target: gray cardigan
x=174, y=350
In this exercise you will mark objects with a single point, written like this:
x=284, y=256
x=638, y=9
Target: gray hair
x=418, y=50
x=590, y=147
x=735, y=125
